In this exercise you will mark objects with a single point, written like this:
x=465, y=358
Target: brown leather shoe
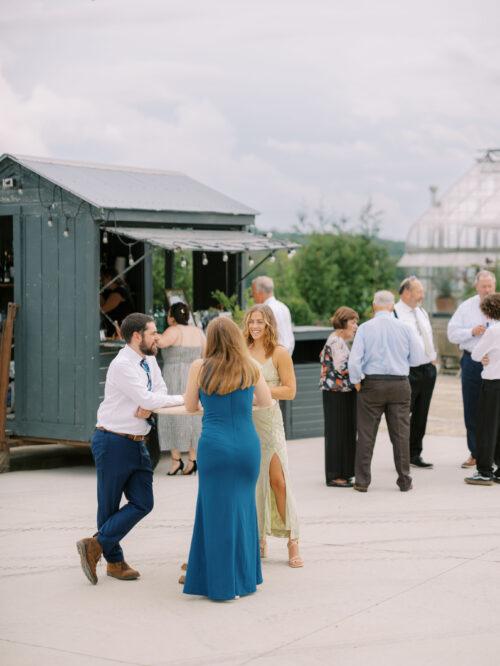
x=90, y=553
x=122, y=571
x=470, y=462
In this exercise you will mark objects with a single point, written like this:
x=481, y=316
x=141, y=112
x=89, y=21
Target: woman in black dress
x=339, y=400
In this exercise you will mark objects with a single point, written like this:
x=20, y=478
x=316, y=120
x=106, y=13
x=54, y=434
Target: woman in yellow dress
x=276, y=511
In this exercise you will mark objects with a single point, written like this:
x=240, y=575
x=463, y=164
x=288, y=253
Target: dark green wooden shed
x=54, y=217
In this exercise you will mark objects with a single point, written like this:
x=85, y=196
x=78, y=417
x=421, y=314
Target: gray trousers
x=391, y=397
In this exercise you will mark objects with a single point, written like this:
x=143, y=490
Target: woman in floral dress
x=339, y=400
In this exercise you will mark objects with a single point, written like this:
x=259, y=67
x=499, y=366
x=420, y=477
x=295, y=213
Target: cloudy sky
x=280, y=104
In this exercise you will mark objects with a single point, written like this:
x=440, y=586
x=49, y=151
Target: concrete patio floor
x=389, y=576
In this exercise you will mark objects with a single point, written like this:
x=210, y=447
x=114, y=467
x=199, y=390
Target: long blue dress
x=224, y=558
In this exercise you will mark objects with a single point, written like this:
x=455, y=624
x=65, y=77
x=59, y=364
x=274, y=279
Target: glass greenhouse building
x=462, y=231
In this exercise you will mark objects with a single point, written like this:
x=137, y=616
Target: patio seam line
x=367, y=608
x=74, y=652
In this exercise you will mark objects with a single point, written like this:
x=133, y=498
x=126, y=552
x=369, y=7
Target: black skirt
x=340, y=434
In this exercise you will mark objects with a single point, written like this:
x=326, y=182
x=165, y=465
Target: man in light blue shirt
x=379, y=364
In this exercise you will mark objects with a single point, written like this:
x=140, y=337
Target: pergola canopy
x=207, y=240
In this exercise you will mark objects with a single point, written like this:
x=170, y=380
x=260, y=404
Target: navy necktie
x=145, y=367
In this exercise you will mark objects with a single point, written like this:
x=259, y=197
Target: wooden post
x=5, y=356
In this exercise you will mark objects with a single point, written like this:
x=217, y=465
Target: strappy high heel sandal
x=294, y=561
x=179, y=469
x=263, y=548
x=182, y=577
x=192, y=470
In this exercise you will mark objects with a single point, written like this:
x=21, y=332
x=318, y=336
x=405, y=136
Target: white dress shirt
x=467, y=317
x=284, y=322
x=126, y=389
x=489, y=343
x=418, y=320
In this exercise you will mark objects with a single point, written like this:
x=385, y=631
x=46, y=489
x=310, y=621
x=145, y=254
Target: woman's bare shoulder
x=280, y=353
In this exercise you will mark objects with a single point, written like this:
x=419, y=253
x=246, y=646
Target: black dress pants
x=488, y=428
x=340, y=434
x=422, y=380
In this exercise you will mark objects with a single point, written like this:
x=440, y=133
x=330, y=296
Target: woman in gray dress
x=181, y=344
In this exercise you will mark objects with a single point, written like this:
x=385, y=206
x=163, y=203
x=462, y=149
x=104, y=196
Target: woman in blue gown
x=224, y=558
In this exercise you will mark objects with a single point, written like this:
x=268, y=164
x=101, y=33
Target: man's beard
x=152, y=350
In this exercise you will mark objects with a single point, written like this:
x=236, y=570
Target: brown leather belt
x=134, y=438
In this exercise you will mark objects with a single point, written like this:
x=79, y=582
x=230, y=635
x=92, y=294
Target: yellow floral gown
x=269, y=425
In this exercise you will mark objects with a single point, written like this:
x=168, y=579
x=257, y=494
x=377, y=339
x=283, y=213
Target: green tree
x=183, y=276
x=342, y=269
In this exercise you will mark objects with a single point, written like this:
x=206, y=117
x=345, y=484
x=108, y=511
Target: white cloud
x=272, y=102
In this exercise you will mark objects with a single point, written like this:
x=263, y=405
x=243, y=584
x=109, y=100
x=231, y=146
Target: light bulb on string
x=50, y=221
x=66, y=229
x=272, y=259
x=105, y=238
x=20, y=188
x=204, y=259
x=269, y=234
x=291, y=254
x=225, y=257
x=183, y=262
x=251, y=261
x=130, y=257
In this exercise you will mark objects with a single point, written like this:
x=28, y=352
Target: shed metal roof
x=132, y=188
x=203, y=239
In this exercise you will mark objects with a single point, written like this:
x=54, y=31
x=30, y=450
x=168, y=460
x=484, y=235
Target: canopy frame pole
x=129, y=268
x=255, y=267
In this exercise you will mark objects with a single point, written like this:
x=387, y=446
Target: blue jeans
x=123, y=468
x=471, y=389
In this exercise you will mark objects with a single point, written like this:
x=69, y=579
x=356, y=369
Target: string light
x=291, y=254
x=50, y=221
x=272, y=259
x=20, y=187
x=269, y=234
x=251, y=261
x=204, y=259
x=66, y=229
x=183, y=262
x=105, y=238
x=225, y=257
x=130, y=257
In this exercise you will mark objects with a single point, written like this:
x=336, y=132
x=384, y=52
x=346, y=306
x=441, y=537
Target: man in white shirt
x=465, y=329
x=488, y=421
x=134, y=387
x=409, y=310
x=263, y=293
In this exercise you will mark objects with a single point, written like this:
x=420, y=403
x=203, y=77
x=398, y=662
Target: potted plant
x=443, y=284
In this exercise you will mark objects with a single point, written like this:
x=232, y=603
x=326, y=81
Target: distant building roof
x=132, y=188
x=463, y=227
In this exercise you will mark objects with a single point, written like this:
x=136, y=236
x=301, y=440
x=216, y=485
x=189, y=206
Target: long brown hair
x=227, y=364
x=270, y=331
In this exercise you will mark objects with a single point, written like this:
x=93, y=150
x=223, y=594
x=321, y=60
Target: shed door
x=55, y=331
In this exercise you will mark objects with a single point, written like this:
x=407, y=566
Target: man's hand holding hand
x=478, y=330
x=142, y=413
x=357, y=387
